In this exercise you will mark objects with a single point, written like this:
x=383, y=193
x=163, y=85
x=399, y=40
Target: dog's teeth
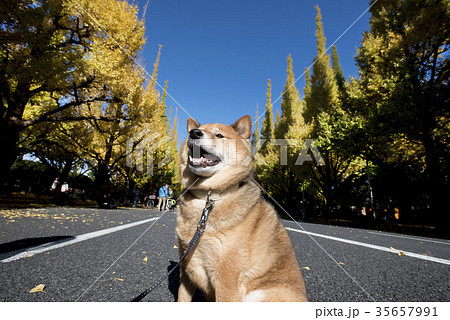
x=203, y=161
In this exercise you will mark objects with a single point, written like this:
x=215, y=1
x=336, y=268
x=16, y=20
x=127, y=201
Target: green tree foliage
x=255, y=136
x=290, y=105
x=386, y=132
x=324, y=90
x=337, y=69
x=277, y=172
x=329, y=124
x=402, y=96
x=267, y=130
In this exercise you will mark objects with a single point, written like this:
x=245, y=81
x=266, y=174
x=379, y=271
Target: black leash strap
x=200, y=230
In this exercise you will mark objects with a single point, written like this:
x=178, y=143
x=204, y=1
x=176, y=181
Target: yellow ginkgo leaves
x=38, y=288
x=145, y=260
x=399, y=252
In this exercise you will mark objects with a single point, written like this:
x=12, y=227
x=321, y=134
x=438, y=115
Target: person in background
x=136, y=197
x=55, y=185
x=64, y=192
x=163, y=194
x=56, y=190
x=169, y=194
x=65, y=187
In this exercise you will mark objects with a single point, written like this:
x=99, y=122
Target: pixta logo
x=142, y=148
x=308, y=152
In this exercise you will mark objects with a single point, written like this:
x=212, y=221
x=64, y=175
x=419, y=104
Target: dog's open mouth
x=200, y=157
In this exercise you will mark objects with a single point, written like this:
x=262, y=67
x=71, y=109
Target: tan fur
x=245, y=253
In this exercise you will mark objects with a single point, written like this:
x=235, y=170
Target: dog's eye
x=219, y=135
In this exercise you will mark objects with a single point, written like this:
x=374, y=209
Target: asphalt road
x=114, y=255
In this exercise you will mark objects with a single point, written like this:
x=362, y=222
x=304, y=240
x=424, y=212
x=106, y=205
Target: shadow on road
x=174, y=283
x=12, y=248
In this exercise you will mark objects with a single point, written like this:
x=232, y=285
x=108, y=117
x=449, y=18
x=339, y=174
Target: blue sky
x=218, y=55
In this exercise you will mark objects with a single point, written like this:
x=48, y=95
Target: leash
x=200, y=230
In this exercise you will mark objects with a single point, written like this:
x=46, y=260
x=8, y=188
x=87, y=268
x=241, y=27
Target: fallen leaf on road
x=175, y=247
x=145, y=260
x=305, y=268
x=118, y=279
x=401, y=253
x=392, y=248
x=341, y=263
x=39, y=288
x=29, y=256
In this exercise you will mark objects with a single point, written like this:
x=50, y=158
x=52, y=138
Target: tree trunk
x=9, y=137
x=10, y=126
x=438, y=189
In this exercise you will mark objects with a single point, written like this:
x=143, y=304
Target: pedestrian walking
x=136, y=197
x=56, y=190
x=163, y=194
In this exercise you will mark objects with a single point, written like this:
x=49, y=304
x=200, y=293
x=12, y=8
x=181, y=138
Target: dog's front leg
x=187, y=289
x=228, y=290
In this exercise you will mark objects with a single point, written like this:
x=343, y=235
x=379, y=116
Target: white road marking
x=372, y=246
x=406, y=237
x=19, y=254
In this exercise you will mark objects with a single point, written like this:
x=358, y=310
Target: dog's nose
x=195, y=134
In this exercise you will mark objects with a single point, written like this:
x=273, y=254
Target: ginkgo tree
x=325, y=112
x=56, y=55
x=72, y=84
x=402, y=99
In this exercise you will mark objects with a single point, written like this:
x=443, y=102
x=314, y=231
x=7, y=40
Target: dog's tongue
x=206, y=160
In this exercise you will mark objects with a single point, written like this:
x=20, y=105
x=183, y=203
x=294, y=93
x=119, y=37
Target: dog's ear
x=243, y=127
x=192, y=124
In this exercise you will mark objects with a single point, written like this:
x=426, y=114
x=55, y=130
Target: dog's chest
x=204, y=266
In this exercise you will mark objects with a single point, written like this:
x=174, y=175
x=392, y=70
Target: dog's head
x=218, y=154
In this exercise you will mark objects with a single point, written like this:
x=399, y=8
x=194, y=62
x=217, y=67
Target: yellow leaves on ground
x=38, y=288
x=33, y=213
x=117, y=279
x=175, y=247
x=145, y=260
x=305, y=268
x=58, y=216
x=341, y=263
x=399, y=252
x=20, y=213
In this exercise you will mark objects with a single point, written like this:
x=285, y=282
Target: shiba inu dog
x=245, y=253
